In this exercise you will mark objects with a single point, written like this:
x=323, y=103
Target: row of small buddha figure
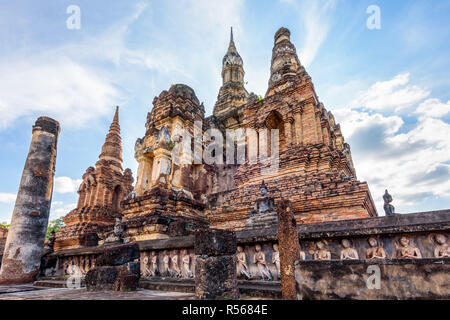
x=405, y=249
x=75, y=264
x=171, y=266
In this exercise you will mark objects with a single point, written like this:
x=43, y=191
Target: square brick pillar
x=289, y=248
x=215, y=270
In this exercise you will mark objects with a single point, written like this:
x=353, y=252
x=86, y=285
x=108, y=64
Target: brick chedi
x=232, y=93
x=100, y=193
x=168, y=185
x=315, y=168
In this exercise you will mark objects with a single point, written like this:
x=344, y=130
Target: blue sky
x=388, y=88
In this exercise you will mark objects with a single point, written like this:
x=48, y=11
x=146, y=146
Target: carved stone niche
x=264, y=214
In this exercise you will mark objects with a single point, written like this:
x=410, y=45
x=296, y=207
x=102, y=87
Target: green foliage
x=171, y=144
x=4, y=225
x=260, y=100
x=54, y=225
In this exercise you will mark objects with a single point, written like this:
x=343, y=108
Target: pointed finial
x=232, y=46
x=112, y=148
x=116, y=115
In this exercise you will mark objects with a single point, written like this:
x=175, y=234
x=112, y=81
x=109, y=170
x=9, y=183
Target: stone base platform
x=34, y=293
x=262, y=289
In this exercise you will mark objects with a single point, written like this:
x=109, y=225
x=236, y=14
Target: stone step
x=265, y=289
x=51, y=283
x=187, y=286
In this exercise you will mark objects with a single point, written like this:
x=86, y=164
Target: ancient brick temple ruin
x=315, y=169
x=100, y=194
x=177, y=192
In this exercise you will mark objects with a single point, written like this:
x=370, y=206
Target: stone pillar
x=23, y=249
x=289, y=248
x=215, y=269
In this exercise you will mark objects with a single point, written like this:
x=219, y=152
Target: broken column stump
x=215, y=270
x=26, y=236
x=115, y=270
x=289, y=248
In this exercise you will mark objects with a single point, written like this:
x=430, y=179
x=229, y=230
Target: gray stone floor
x=30, y=292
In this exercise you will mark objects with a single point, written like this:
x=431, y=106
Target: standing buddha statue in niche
x=242, y=267
x=186, y=260
x=175, y=265
x=166, y=263
x=154, y=271
x=276, y=259
x=259, y=259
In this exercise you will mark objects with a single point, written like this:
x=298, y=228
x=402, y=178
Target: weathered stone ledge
x=401, y=223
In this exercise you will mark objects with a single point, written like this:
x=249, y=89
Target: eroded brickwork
x=100, y=194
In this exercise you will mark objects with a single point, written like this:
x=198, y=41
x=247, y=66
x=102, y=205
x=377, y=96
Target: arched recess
x=116, y=198
x=275, y=121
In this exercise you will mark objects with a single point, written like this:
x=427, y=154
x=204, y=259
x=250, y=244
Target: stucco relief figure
x=186, y=260
x=259, y=259
x=442, y=249
x=276, y=259
x=406, y=250
x=375, y=251
x=92, y=261
x=166, y=263
x=83, y=266
x=175, y=265
x=146, y=266
x=154, y=270
x=348, y=253
x=65, y=266
x=321, y=252
x=388, y=207
x=242, y=267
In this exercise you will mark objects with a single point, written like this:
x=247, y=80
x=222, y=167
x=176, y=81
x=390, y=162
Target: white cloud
x=433, y=108
x=59, y=209
x=66, y=185
x=7, y=197
x=54, y=86
x=65, y=82
x=317, y=21
x=413, y=162
x=395, y=94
